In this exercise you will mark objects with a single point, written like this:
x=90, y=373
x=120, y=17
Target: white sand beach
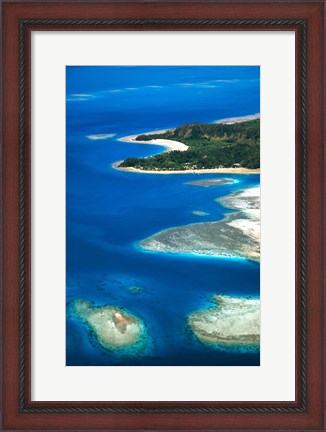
x=190, y=171
x=168, y=144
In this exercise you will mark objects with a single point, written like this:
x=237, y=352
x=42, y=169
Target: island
x=234, y=323
x=237, y=235
x=113, y=327
x=234, y=147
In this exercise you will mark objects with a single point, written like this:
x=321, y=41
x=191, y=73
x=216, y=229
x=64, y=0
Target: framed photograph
x=162, y=223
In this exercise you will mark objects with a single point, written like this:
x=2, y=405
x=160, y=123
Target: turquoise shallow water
x=110, y=211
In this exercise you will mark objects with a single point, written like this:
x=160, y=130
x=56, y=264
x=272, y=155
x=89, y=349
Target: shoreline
x=197, y=171
x=171, y=145
x=233, y=120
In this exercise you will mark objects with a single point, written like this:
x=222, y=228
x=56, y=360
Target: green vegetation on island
x=209, y=146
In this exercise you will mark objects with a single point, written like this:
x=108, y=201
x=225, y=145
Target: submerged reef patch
x=135, y=289
x=113, y=327
x=234, y=323
x=200, y=213
x=211, y=182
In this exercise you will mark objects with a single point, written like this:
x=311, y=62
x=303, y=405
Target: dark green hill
x=210, y=146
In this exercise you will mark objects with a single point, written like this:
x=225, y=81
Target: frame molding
x=20, y=18
x=109, y=24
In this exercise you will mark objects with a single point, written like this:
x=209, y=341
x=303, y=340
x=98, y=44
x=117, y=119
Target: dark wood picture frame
x=22, y=17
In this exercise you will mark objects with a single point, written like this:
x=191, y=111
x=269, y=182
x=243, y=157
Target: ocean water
x=109, y=211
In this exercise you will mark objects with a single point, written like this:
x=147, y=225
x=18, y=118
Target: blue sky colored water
x=109, y=211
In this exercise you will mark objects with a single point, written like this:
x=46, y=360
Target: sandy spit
x=169, y=145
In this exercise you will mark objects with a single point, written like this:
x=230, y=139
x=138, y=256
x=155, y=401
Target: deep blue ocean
x=109, y=211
